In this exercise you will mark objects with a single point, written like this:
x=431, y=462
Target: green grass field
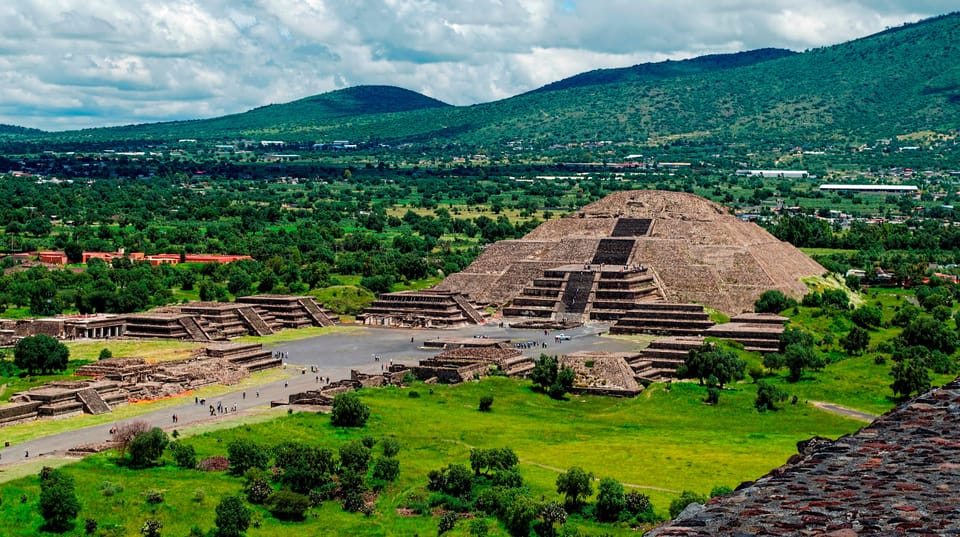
x=664, y=441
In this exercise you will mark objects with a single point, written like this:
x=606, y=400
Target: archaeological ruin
x=421, y=309
x=646, y=260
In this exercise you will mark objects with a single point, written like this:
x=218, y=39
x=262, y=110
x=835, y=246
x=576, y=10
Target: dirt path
x=844, y=411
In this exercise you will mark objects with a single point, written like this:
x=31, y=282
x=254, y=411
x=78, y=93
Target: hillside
x=15, y=130
x=647, y=72
x=899, y=81
x=332, y=108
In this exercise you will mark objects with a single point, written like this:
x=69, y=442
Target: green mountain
x=903, y=80
x=308, y=114
x=647, y=72
x=15, y=130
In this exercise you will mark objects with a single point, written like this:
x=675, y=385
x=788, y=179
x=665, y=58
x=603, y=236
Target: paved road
x=844, y=411
x=334, y=355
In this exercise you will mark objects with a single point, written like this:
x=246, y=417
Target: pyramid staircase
x=314, y=311
x=468, y=309
x=253, y=321
x=193, y=329
x=658, y=362
x=92, y=402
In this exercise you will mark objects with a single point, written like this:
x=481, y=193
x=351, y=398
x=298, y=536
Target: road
x=334, y=355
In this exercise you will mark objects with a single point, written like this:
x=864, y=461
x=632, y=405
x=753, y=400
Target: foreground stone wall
x=899, y=475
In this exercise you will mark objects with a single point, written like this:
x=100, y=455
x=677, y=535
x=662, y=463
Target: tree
x=146, y=448
x=836, y=298
x=303, y=467
x=58, y=500
x=551, y=514
x=928, y=332
x=486, y=402
x=386, y=469
x=184, y=455
x=551, y=378
x=233, y=518
x=711, y=360
x=40, y=354
x=151, y=528
x=639, y=507
x=287, y=505
x=867, y=317
x=244, y=454
x=355, y=456
x=124, y=433
x=767, y=396
x=797, y=357
x=519, y=515
x=773, y=301
x=611, y=500
x=576, y=485
x=856, y=341
x=909, y=376
x=349, y=411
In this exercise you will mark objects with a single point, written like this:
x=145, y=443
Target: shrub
x=413, y=394
x=773, y=301
x=108, y=489
x=244, y=454
x=486, y=402
x=146, y=448
x=447, y=523
x=124, y=433
x=720, y=490
x=233, y=518
x=58, y=500
x=199, y=495
x=355, y=456
x=90, y=526
x=257, y=486
x=368, y=441
x=386, y=469
x=611, y=500
x=184, y=455
x=638, y=506
x=686, y=498
x=151, y=528
x=287, y=505
x=867, y=317
x=390, y=446
x=767, y=396
x=479, y=528
x=104, y=354
x=153, y=496
x=349, y=411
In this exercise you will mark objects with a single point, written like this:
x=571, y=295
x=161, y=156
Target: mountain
x=646, y=72
x=899, y=81
x=15, y=130
x=310, y=113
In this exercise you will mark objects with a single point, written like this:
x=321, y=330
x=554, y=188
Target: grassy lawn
x=666, y=438
x=294, y=335
x=150, y=350
x=23, y=432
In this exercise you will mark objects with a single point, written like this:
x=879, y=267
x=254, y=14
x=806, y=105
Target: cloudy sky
x=68, y=64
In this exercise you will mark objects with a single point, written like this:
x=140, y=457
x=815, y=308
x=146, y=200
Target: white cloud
x=76, y=63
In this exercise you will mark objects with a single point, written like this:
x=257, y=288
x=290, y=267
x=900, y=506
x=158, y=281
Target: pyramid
x=635, y=246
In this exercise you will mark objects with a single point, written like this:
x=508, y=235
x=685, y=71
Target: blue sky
x=68, y=64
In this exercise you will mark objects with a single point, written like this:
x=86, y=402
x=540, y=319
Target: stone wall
x=899, y=475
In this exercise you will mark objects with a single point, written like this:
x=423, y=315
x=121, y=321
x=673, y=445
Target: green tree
x=146, y=448
x=184, y=455
x=244, y=454
x=233, y=518
x=909, y=376
x=575, y=485
x=287, y=505
x=386, y=469
x=711, y=360
x=551, y=378
x=867, y=317
x=797, y=358
x=611, y=500
x=58, y=500
x=355, y=456
x=303, y=467
x=928, y=332
x=40, y=354
x=773, y=301
x=349, y=411
x=768, y=396
x=856, y=341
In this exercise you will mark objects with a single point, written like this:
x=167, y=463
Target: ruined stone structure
x=421, y=309
x=116, y=381
x=755, y=331
x=629, y=249
x=897, y=476
x=287, y=311
x=603, y=373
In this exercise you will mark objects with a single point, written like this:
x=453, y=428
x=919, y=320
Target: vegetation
x=349, y=411
x=40, y=354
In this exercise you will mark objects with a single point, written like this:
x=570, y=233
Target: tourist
x=258, y=393
x=243, y=395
